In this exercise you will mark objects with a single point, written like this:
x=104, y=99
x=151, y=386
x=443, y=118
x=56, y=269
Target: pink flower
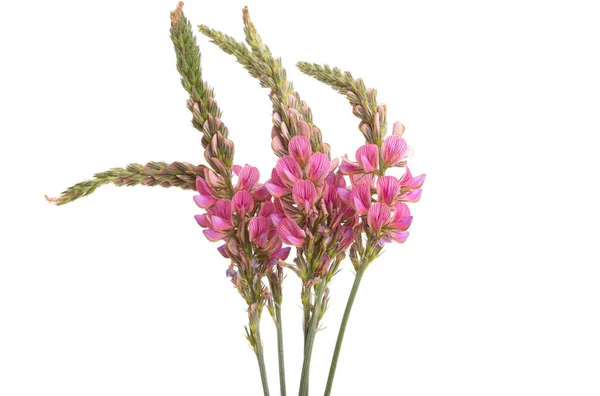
x=411, y=196
x=402, y=218
x=242, y=202
x=202, y=220
x=348, y=167
x=394, y=149
x=304, y=194
x=275, y=185
x=290, y=233
x=248, y=177
x=258, y=230
x=282, y=253
x=361, y=198
x=205, y=199
x=409, y=182
x=379, y=216
x=260, y=193
x=300, y=150
x=318, y=167
x=221, y=218
x=346, y=238
x=213, y=235
x=367, y=157
x=288, y=170
x=388, y=188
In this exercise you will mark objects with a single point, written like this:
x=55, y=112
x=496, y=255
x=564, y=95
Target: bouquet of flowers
x=325, y=208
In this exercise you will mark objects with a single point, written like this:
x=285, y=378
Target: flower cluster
x=244, y=223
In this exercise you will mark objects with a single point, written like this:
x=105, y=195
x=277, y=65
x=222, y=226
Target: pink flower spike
x=258, y=229
x=318, y=167
x=412, y=196
x=361, y=198
x=242, y=202
x=300, y=150
x=304, y=194
x=394, y=150
x=213, y=235
x=282, y=253
x=249, y=176
x=288, y=170
x=368, y=157
x=379, y=216
x=290, y=233
x=388, y=188
x=398, y=129
x=201, y=219
x=204, y=201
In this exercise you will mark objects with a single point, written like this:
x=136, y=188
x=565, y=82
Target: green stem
x=340, y=338
x=280, y=349
x=261, y=363
x=310, y=338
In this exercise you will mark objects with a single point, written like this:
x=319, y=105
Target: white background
x=496, y=291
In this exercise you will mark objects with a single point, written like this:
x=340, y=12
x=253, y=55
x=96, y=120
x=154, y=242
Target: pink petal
x=348, y=167
x=202, y=220
x=399, y=237
x=223, y=209
x=394, y=149
x=412, y=196
x=288, y=170
x=202, y=187
x=242, y=202
x=213, y=235
x=344, y=193
x=401, y=210
x=379, y=216
x=318, y=167
x=388, y=188
x=299, y=148
x=260, y=193
x=290, y=233
x=282, y=253
x=204, y=201
x=223, y=251
x=398, y=129
x=277, y=190
x=249, y=176
x=361, y=198
x=304, y=194
x=258, y=226
x=236, y=169
x=368, y=157
x=219, y=224
x=266, y=209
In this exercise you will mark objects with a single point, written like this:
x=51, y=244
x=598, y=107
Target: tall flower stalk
x=325, y=208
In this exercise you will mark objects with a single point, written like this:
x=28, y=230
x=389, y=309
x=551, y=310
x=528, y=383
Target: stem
x=340, y=338
x=280, y=349
x=310, y=338
x=261, y=363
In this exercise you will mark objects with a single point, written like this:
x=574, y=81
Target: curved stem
x=340, y=338
x=261, y=363
x=280, y=349
x=310, y=338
